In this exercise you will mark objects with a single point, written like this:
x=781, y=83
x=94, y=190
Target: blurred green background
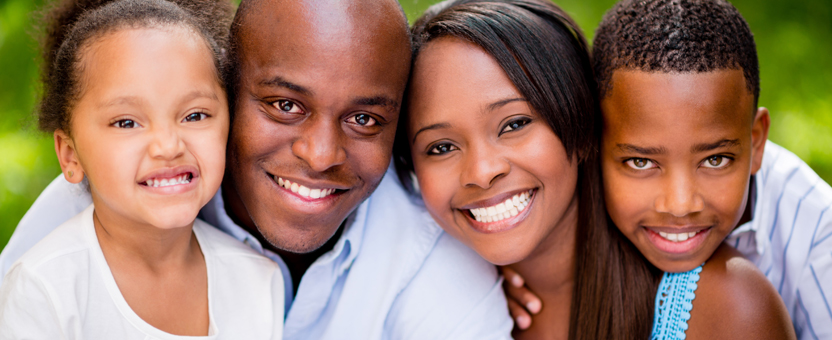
x=794, y=42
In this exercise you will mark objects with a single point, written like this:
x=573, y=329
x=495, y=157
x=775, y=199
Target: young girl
x=134, y=96
x=501, y=134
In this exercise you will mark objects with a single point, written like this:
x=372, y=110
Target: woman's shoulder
x=734, y=299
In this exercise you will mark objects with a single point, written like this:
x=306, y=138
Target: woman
x=500, y=130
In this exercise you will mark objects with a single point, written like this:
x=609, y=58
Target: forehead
x=677, y=105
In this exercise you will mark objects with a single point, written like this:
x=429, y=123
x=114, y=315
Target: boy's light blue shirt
x=393, y=274
x=790, y=239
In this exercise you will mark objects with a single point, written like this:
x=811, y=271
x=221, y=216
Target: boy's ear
x=67, y=157
x=759, y=135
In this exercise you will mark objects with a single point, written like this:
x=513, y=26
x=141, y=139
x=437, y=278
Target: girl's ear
x=65, y=149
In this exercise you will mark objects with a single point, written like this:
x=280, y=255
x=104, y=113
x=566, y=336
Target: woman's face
x=491, y=171
x=150, y=129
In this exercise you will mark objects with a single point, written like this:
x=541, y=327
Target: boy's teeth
x=677, y=237
x=304, y=191
x=165, y=182
x=510, y=208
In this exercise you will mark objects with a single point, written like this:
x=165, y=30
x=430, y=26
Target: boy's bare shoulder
x=735, y=300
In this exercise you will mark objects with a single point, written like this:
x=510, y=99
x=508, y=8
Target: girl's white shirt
x=63, y=288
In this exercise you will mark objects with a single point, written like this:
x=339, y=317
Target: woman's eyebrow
x=500, y=103
x=431, y=127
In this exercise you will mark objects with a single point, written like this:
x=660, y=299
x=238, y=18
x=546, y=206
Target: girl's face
x=491, y=171
x=150, y=128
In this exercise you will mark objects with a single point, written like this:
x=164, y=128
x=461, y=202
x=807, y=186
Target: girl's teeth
x=510, y=208
x=677, y=237
x=304, y=191
x=156, y=183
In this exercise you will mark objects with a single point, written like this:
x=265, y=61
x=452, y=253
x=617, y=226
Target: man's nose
x=320, y=144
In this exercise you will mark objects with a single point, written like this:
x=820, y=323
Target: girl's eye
x=125, y=124
x=195, y=117
x=441, y=149
x=287, y=106
x=716, y=162
x=515, y=124
x=640, y=163
x=363, y=119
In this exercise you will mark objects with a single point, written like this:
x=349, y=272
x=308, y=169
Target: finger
x=512, y=277
x=522, y=319
x=525, y=297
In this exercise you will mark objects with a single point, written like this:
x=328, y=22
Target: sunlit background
x=794, y=43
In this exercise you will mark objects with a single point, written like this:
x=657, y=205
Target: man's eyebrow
x=641, y=150
x=725, y=143
x=383, y=101
x=278, y=81
x=431, y=127
x=496, y=105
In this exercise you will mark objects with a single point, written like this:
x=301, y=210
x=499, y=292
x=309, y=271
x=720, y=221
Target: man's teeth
x=156, y=183
x=304, y=191
x=677, y=237
x=510, y=208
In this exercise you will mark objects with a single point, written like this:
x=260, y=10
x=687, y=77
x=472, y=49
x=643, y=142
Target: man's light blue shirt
x=393, y=273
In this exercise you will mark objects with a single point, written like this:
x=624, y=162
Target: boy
x=696, y=61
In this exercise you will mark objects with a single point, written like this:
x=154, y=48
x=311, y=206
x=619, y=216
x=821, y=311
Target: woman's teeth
x=510, y=208
x=677, y=237
x=156, y=183
x=304, y=191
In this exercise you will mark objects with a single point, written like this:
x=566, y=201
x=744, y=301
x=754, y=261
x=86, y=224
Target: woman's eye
x=515, y=124
x=716, y=162
x=640, y=163
x=287, y=106
x=195, y=117
x=363, y=119
x=440, y=149
x=125, y=124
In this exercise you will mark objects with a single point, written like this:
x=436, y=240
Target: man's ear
x=759, y=135
x=67, y=157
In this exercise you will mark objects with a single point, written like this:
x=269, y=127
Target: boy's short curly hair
x=674, y=36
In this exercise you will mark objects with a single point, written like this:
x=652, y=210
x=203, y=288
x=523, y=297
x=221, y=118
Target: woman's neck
x=549, y=272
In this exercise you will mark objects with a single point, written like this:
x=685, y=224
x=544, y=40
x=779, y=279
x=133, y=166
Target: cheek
x=436, y=188
x=369, y=158
x=622, y=203
x=727, y=196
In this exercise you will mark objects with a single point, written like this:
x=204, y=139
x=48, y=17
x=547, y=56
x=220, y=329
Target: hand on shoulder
x=735, y=300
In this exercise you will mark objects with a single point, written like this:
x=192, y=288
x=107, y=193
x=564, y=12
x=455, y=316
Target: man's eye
x=196, y=116
x=287, y=106
x=640, y=163
x=363, y=119
x=515, y=124
x=716, y=162
x=441, y=149
x=125, y=124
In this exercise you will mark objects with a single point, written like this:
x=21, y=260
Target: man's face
x=677, y=153
x=316, y=113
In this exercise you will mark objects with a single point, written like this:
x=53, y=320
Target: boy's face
x=678, y=150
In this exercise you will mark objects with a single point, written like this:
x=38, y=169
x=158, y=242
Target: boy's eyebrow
x=278, y=81
x=702, y=147
x=641, y=150
x=430, y=127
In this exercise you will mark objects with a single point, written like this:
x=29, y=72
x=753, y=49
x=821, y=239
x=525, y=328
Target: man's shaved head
x=316, y=87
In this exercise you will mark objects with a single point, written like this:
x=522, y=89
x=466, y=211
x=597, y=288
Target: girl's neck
x=143, y=244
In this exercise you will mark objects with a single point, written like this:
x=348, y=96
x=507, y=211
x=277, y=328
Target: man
x=317, y=86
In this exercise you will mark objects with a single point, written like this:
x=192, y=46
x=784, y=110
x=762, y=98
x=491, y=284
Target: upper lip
x=313, y=185
x=170, y=172
x=678, y=228
x=493, y=200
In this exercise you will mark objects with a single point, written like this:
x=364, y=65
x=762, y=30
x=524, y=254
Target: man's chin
x=302, y=240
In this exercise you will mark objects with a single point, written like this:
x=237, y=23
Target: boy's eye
x=716, y=162
x=442, y=148
x=196, y=116
x=125, y=124
x=640, y=163
x=362, y=119
x=287, y=106
x=515, y=124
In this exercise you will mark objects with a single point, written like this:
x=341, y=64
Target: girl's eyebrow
x=431, y=127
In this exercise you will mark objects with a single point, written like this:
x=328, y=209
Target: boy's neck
x=748, y=213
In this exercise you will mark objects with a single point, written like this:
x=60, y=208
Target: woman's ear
x=65, y=149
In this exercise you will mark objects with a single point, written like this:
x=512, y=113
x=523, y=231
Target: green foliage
x=794, y=40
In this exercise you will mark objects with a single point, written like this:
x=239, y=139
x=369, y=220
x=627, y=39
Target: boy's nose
x=482, y=167
x=320, y=145
x=679, y=196
x=166, y=144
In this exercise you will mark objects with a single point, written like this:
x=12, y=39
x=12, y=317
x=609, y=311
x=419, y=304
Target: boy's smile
x=678, y=150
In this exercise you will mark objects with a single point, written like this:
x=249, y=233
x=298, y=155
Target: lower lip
x=678, y=248
x=503, y=225
x=172, y=189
